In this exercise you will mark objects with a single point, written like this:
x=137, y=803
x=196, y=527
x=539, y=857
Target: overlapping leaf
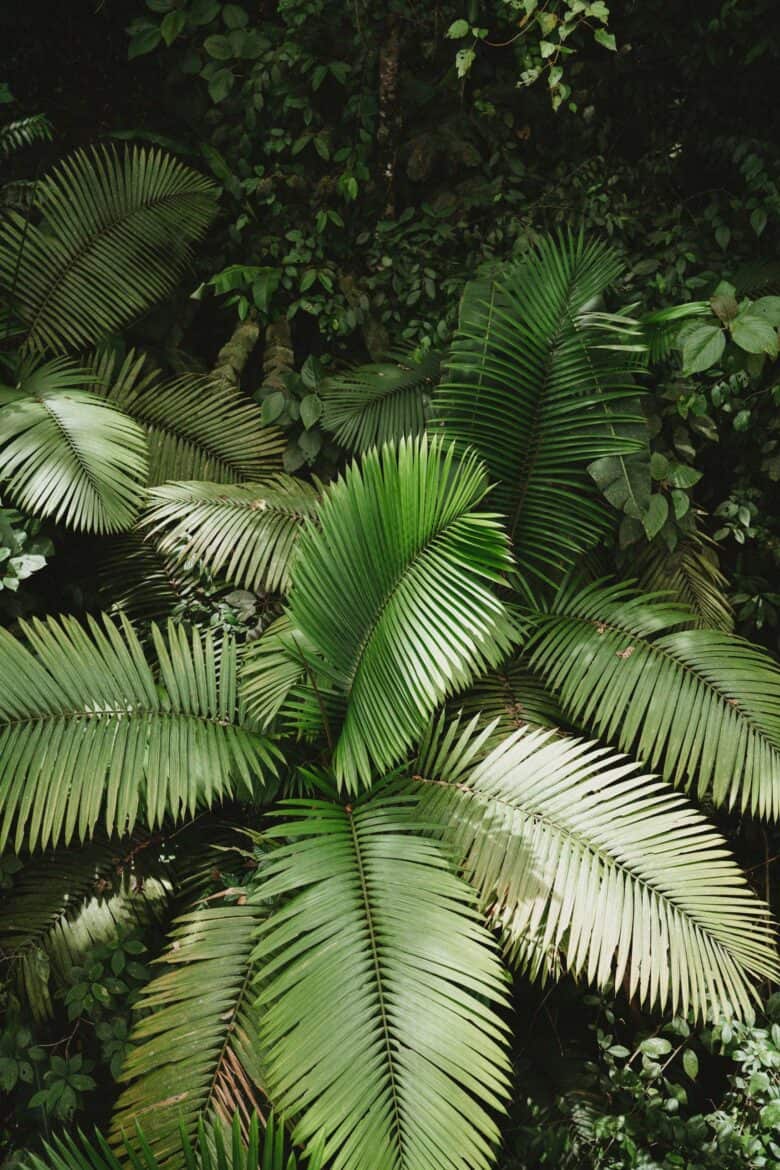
x=88, y=733
x=700, y=705
x=573, y=848
x=67, y=454
x=380, y=403
x=378, y=991
x=115, y=235
x=392, y=591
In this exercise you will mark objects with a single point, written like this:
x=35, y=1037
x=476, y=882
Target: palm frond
x=700, y=705
x=572, y=847
x=210, y=1148
x=383, y=402
x=87, y=730
x=194, y=1046
x=197, y=427
x=690, y=574
x=115, y=237
x=24, y=132
x=509, y=697
x=392, y=591
x=538, y=384
x=67, y=454
x=244, y=533
x=135, y=578
x=378, y=990
x=46, y=924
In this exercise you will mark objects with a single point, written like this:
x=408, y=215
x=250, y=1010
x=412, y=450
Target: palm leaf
x=572, y=847
x=245, y=533
x=700, y=705
x=208, y=1149
x=509, y=697
x=137, y=579
x=197, y=426
x=194, y=1046
x=391, y=591
x=65, y=453
x=115, y=237
x=378, y=993
x=24, y=132
x=690, y=574
x=87, y=732
x=369, y=405
x=535, y=383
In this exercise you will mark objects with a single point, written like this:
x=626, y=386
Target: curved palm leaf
x=24, y=132
x=194, y=1048
x=378, y=993
x=510, y=697
x=87, y=731
x=391, y=590
x=65, y=453
x=246, y=533
x=208, y=1149
x=691, y=575
x=572, y=847
x=700, y=705
x=534, y=382
x=135, y=578
x=115, y=237
x=379, y=403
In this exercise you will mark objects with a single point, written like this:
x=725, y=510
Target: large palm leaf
x=194, y=1047
x=245, y=533
x=88, y=730
x=701, y=705
x=197, y=426
x=67, y=454
x=369, y=405
x=573, y=847
x=691, y=575
x=530, y=385
x=114, y=237
x=392, y=591
x=378, y=992
x=210, y=1148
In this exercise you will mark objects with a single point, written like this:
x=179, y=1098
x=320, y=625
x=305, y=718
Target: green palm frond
x=509, y=697
x=383, y=402
x=114, y=238
x=378, y=992
x=690, y=574
x=212, y=1147
x=197, y=427
x=700, y=705
x=194, y=1047
x=135, y=578
x=538, y=384
x=244, y=533
x=286, y=686
x=88, y=731
x=44, y=924
x=24, y=132
x=392, y=592
x=67, y=454
x=573, y=847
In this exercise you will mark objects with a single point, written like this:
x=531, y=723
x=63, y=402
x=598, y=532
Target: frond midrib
x=369, y=918
x=138, y=713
